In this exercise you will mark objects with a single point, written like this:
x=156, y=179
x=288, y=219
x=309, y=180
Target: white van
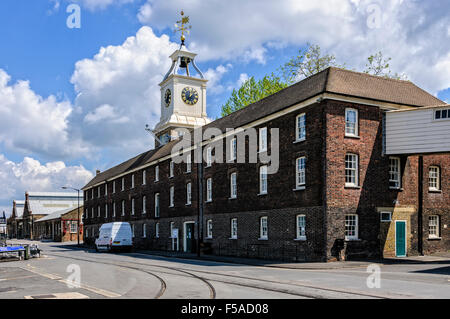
x=114, y=236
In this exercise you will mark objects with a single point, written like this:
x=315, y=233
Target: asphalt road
x=135, y=275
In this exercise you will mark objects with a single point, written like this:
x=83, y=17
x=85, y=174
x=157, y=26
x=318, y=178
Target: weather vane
x=183, y=26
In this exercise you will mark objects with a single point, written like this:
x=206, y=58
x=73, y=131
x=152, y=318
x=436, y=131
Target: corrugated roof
x=54, y=194
x=331, y=80
x=45, y=203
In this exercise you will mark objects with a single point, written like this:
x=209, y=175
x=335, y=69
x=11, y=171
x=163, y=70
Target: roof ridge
x=370, y=75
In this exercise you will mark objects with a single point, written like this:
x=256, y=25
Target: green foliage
x=378, y=65
x=308, y=62
x=252, y=91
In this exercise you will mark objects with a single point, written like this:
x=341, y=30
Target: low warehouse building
x=60, y=226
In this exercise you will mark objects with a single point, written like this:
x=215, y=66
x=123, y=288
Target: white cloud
x=214, y=76
x=242, y=78
x=31, y=175
x=118, y=91
x=33, y=124
x=414, y=33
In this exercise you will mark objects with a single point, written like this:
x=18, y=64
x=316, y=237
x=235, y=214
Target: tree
x=252, y=91
x=308, y=62
x=378, y=65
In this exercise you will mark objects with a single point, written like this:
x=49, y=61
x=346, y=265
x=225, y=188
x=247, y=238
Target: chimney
x=97, y=172
x=26, y=196
x=14, y=204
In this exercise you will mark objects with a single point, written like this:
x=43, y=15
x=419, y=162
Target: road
x=136, y=275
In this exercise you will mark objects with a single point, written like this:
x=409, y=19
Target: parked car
x=114, y=236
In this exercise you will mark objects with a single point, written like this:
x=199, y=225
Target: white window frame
x=132, y=206
x=114, y=187
x=348, y=219
x=209, y=230
x=73, y=227
x=355, y=170
x=92, y=212
x=263, y=183
x=132, y=230
x=144, y=205
x=157, y=204
x=157, y=173
x=132, y=180
x=263, y=228
x=433, y=226
x=233, y=149
x=434, y=178
x=144, y=177
x=114, y=209
x=171, y=196
x=233, y=185
x=106, y=189
x=441, y=118
x=263, y=139
x=98, y=211
x=123, y=183
x=209, y=156
x=348, y=127
x=144, y=230
x=300, y=173
x=209, y=189
x=123, y=207
x=234, y=228
x=384, y=220
x=171, y=169
x=300, y=222
x=395, y=173
x=106, y=210
x=189, y=163
x=188, y=193
x=98, y=192
x=300, y=125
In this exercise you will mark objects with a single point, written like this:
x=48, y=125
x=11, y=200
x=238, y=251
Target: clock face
x=189, y=96
x=167, y=97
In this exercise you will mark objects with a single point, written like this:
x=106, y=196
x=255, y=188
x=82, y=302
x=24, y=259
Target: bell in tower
x=183, y=93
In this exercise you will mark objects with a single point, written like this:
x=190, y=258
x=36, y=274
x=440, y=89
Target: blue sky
x=76, y=100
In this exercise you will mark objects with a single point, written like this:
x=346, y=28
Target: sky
x=74, y=100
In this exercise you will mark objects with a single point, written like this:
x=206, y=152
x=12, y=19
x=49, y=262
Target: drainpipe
x=420, y=207
x=200, y=206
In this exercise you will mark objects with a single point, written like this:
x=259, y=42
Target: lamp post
x=78, y=220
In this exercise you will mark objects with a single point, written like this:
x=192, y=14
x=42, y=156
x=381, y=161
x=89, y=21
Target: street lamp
x=78, y=221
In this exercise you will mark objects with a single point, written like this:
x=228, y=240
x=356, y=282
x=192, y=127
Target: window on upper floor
x=132, y=206
x=98, y=211
x=301, y=127
x=98, y=192
x=171, y=196
x=394, y=172
x=442, y=114
x=434, y=178
x=263, y=180
x=300, y=173
x=209, y=190
x=144, y=231
x=144, y=205
x=156, y=173
x=132, y=180
x=144, y=177
x=114, y=186
x=114, y=209
x=123, y=208
x=188, y=194
x=188, y=163
x=157, y=230
x=351, y=170
x=123, y=183
x=106, y=210
x=208, y=157
x=351, y=122
x=233, y=185
x=171, y=168
x=233, y=149
x=263, y=139
x=106, y=189
x=157, y=205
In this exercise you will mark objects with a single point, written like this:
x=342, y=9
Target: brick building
x=336, y=193
x=61, y=226
x=15, y=221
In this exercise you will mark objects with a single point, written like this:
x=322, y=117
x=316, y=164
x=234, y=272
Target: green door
x=189, y=237
x=400, y=238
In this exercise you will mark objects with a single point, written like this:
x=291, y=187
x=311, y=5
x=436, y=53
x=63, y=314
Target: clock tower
x=183, y=94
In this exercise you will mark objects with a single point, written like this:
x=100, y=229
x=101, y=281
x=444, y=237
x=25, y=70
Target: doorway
x=188, y=238
x=400, y=238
